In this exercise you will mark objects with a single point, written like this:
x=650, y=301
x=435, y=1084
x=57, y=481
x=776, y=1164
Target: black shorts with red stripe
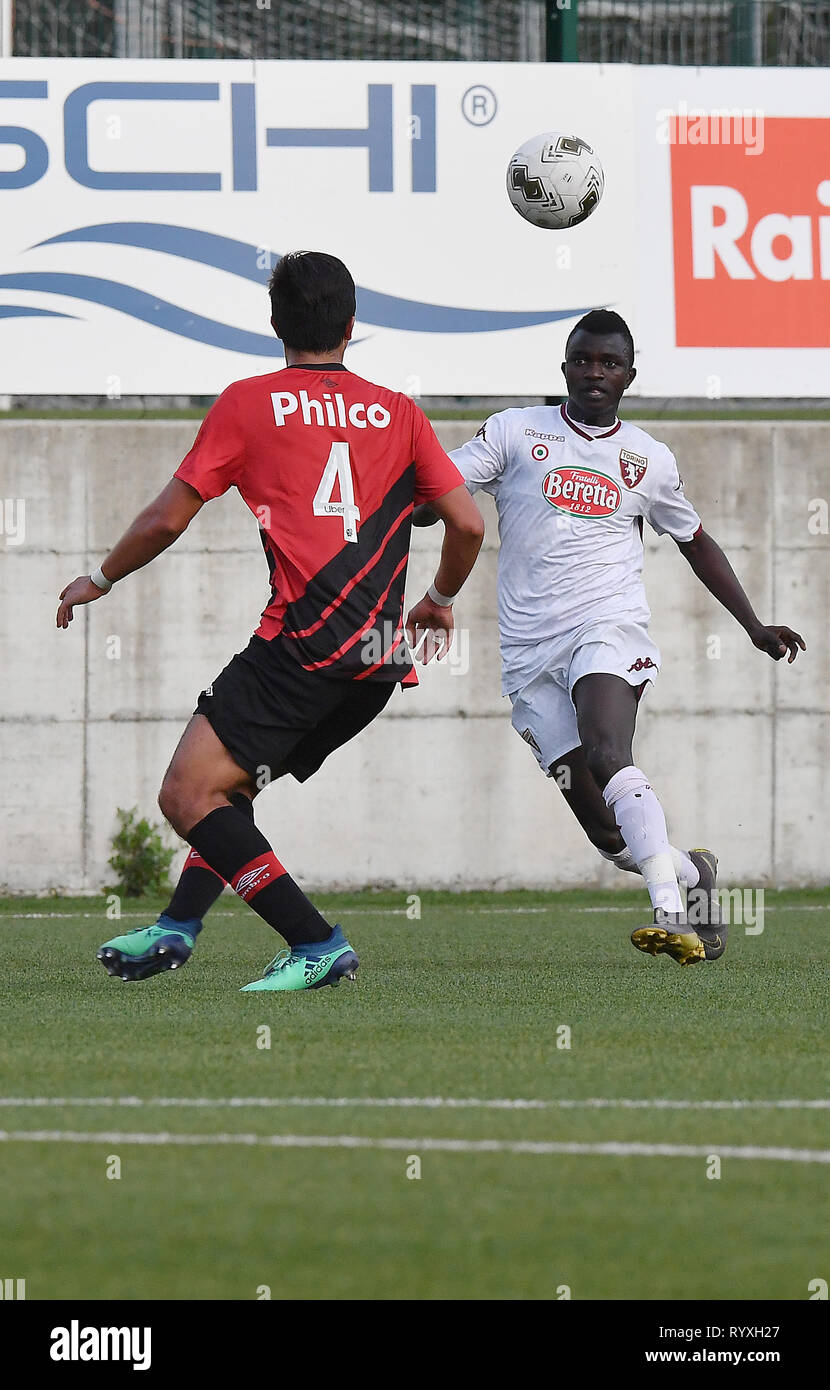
x=274, y=716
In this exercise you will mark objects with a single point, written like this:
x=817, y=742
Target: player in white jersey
x=573, y=485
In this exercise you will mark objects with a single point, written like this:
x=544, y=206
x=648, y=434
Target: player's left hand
x=778, y=642
x=81, y=590
x=433, y=625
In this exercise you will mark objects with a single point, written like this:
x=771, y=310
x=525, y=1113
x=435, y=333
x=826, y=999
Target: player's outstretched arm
x=432, y=618
x=153, y=530
x=714, y=570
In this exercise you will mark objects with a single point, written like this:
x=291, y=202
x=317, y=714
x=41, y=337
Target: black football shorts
x=275, y=717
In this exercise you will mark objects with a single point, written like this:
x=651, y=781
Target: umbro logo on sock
x=250, y=882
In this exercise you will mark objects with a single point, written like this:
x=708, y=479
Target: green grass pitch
x=468, y=1002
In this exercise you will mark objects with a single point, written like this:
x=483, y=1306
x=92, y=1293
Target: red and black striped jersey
x=331, y=466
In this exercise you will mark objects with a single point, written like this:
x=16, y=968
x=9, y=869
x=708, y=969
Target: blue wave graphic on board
x=240, y=258
x=29, y=311
x=148, y=308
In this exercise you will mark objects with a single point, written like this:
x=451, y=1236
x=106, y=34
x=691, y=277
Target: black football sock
x=199, y=885
x=231, y=844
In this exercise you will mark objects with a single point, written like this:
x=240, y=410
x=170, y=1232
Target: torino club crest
x=632, y=467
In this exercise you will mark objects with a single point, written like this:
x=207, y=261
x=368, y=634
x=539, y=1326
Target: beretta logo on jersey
x=632, y=467
x=581, y=491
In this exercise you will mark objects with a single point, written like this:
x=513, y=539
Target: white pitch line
x=401, y=1102
x=96, y=916
x=511, y=911
x=354, y=1141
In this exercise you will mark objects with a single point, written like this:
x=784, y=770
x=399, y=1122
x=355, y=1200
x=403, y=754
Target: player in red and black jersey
x=332, y=467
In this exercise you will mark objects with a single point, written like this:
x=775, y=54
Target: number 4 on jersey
x=338, y=469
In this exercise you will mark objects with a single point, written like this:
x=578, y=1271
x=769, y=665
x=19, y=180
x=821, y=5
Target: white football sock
x=642, y=824
x=684, y=869
x=687, y=875
x=623, y=859
x=686, y=872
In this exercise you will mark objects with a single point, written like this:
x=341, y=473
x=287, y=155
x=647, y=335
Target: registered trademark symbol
x=479, y=105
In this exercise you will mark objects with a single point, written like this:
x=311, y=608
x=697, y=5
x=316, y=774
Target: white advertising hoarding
x=733, y=266
x=143, y=204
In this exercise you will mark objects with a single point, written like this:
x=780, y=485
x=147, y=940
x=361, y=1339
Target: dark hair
x=312, y=300
x=602, y=322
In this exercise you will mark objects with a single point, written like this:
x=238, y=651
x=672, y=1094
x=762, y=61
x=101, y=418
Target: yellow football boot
x=669, y=935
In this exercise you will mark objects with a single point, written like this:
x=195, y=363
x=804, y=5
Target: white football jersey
x=571, y=500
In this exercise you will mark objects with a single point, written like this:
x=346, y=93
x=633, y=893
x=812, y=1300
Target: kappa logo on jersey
x=537, y=434
x=581, y=491
x=539, y=452
x=643, y=663
x=632, y=467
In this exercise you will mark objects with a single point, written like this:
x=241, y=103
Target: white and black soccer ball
x=555, y=180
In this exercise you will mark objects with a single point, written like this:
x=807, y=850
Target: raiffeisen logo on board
x=752, y=239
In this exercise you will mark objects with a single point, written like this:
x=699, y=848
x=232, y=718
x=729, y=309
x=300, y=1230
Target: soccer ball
x=555, y=180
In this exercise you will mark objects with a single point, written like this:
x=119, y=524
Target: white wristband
x=100, y=580
x=440, y=599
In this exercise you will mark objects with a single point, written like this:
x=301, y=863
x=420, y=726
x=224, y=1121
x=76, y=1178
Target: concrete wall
x=440, y=791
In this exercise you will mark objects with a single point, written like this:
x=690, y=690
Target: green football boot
x=310, y=966
x=146, y=951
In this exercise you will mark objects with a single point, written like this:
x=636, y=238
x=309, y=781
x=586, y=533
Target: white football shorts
x=543, y=711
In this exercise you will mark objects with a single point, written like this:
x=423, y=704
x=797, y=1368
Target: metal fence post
x=562, y=31
x=746, y=23
x=6, y=28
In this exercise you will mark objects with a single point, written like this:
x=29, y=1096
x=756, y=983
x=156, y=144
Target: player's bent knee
x=604, y=757
x=166, y=802
x=175, y=804
x=605, y=838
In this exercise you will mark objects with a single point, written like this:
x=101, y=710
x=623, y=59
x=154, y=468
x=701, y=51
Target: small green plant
x=139, y=857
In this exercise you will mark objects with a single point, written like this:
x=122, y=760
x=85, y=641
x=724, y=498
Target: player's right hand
x=81, y=590
x=778, y=642
x=431, y=624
